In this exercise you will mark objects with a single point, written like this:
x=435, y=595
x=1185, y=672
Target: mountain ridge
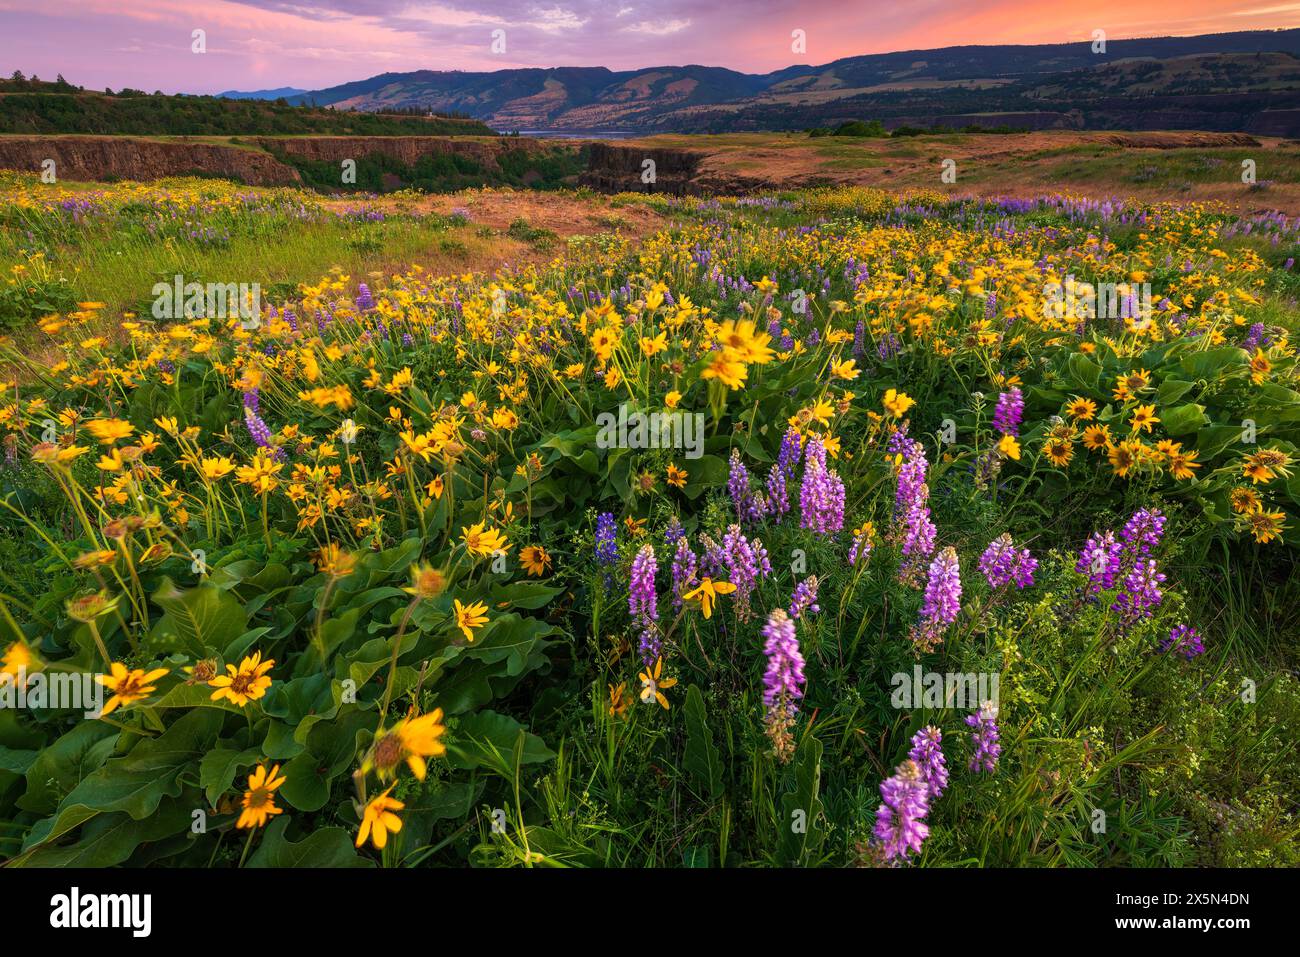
x=898, y=87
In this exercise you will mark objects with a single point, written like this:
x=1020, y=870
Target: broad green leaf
x=324, y=847
x=201, y=620
x=702, y=758
x=802, y=829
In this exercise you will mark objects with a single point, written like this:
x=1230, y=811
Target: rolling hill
x=1235, y=81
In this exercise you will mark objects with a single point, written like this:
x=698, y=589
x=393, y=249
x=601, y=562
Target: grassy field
x=375, y=556
x=1014, y=164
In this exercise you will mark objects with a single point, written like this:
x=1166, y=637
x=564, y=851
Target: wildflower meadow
x=824, y=528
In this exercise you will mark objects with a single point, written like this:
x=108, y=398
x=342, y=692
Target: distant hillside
x=275, y=94
x=30, y=106
x=1231, y=81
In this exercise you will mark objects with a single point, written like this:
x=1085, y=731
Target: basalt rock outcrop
x=623, y=169
x=126, y=157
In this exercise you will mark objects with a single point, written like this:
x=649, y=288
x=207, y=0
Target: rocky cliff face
x=254, y=163
x=615, y=169
x=406, y=149
x=123, y=157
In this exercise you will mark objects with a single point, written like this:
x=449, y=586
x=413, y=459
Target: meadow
x=958, y=575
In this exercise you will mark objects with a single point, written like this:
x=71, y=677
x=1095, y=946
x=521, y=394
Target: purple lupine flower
x=1183, y=638
x=912, y=521
x=1253, y=340
x=985, y=737
x=642, y=604
x=783, y=681
x=788, y=456
x=606, y=535
x=738, y=484
x=1006, y=417
x=805, y=598
x=900, y=826
x=861, y=547
x=1002, y=564
x=746, y=563
x=258, y=430
x=674, y=532
x=942, y=597
x=1100, y=561
x=1140, y=592
x=1142, y=532
x=684, y=578
x=927, y=752
x=778, y=500
x=821, y=495
x=714, y=562
x=365, y=302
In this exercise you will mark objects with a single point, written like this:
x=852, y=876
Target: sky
x=312, y=44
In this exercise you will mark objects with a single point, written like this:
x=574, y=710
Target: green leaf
x=702, y=758
x=323, y=847
x=110, y=839
x=488, y=739
x=219, y=768
x=1083, y=372
x=136, y=782
x=1182, y=419
x=802, y=828
x=60, y=767
x=201, y=620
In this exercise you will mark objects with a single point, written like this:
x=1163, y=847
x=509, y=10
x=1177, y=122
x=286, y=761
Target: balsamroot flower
x=248, y=682
x=900, y=820
x=378, y=819
x=471, y=616
x=412, y=740
x=927, y=752
x=1003, y=564
x=128, y=685
x=653, y=684
x=259, y=799
x=707, y=592
x=985, y=737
